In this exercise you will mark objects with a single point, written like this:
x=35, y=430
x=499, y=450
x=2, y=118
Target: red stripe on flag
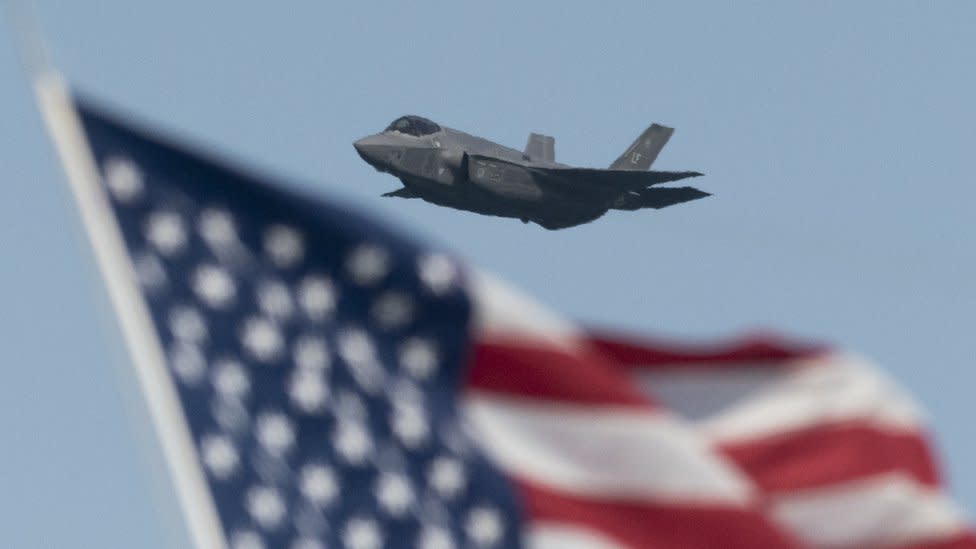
x=829, y=454
x=655, y=526
x=758, y=349
x=545, y=371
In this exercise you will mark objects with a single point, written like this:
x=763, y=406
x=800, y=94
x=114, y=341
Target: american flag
x=334, y=383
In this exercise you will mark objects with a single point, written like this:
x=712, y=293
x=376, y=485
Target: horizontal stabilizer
x=541, y=148
x=658, y=198
x=644, y=150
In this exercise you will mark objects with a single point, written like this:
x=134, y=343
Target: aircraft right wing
x=583, y=181
x=609, y=180
x=541, y=148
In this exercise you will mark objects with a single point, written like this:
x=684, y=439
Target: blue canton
x=317, y=357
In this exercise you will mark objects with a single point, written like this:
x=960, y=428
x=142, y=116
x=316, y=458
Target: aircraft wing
x=611, y=179
x=585, y=181
x=402, y=193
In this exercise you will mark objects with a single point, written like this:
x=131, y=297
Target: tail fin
x=642, y=152
x=541, y=148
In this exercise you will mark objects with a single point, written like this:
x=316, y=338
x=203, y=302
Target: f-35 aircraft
x=452, y=168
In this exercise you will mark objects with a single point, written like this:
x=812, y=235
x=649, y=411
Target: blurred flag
x=320, y=380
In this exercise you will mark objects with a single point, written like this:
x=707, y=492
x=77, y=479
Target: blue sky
x=837, y=139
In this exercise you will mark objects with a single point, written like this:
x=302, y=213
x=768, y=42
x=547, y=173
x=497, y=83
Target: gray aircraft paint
x=644, y=150
x=451, y=168
x=541, y=148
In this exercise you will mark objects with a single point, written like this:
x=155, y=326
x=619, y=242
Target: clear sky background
x=838, y=138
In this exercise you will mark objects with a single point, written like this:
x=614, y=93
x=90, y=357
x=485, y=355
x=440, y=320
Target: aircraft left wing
x=402, y=192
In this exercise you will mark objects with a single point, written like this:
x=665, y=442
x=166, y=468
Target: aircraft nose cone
x=362, y=147
x=370, y=149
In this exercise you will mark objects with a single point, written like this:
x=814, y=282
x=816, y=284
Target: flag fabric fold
x=838, y=452
x=342, y=385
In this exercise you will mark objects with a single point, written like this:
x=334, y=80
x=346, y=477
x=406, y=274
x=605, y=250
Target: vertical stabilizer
x=643, y=151
x=541, y=148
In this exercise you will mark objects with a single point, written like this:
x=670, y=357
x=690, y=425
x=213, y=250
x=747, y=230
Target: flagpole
x=64, y=127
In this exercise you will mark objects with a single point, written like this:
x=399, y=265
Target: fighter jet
x=458, y=170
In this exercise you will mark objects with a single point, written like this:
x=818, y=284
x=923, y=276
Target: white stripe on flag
x=887, y=510
x=737, y=403
x=501, y=310
x=564, y=536
x=603, y=452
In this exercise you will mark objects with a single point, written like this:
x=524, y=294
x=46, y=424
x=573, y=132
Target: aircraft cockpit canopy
x=413, y=125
